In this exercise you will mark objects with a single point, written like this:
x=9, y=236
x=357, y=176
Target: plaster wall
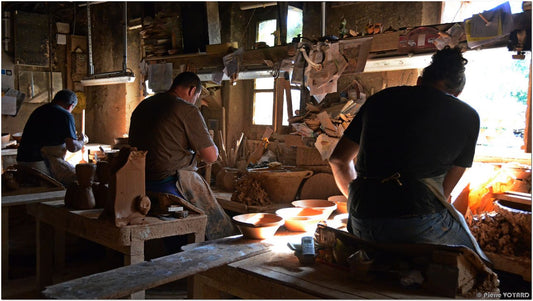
x=109, y=107
x=358, y=14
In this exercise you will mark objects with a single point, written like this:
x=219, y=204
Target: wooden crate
x=385, y=41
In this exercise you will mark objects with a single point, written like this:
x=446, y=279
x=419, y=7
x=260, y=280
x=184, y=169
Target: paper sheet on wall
x=160, y=77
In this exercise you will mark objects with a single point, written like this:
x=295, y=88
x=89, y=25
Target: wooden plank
x=212, y=283
x=33, y=197
x=515, y=197
x=515, y=265
x=130, y=279
x=322, y=280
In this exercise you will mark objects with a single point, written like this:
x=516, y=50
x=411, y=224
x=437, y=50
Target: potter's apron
x=61, y=170
x=435, y=186
x=196, y=191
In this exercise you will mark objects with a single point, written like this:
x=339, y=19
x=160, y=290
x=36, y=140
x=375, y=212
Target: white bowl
x=325, y=205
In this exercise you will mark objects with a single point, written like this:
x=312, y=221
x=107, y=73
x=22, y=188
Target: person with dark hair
x=411, y=145
x=171, y=128
x=49, y=132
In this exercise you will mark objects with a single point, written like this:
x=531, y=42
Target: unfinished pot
x=282, y=185
x=79, y=194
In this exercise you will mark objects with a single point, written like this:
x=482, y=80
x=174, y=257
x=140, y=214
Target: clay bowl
x=258, y=225
x=325, y=205
x=341, y=202
x=301, y=219
x=17, y=136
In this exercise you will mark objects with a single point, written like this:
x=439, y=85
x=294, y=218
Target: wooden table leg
x=59, y=249
x=5, y=243
x=45, y=256
x=136, y=255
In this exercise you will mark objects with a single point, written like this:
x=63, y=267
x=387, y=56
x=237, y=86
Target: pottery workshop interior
x=266, y=150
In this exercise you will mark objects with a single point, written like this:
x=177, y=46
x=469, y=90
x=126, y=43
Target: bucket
x=282, y=185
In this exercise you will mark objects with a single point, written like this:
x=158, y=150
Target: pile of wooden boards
x=159, y=35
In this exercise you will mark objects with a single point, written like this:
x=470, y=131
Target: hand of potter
x=83, y=138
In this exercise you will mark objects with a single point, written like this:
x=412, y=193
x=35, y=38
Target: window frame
x=278, y=94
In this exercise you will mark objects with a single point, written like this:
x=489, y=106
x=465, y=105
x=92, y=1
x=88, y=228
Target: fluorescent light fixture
x=99, y=80
x=401, y=63
x=242, y=75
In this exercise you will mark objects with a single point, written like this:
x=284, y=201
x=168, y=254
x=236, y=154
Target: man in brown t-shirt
x=171, y=128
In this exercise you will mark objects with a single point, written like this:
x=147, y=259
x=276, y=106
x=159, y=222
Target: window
x=263, y=104
x=265, y=30
x=458, y=11
x=497, y=87
x=295, y=97
x=294, y=22
x=263, y=113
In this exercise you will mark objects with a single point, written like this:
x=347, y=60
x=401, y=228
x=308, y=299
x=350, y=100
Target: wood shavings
x=503, y=232
x=248, y=190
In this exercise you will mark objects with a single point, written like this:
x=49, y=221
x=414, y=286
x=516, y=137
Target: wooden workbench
x=278, y=274
x=129, y=240
x=235, y=266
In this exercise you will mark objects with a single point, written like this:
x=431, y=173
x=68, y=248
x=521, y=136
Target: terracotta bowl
x=325, y=205
x=258, y=225
x=301, y=219
x=341, y=202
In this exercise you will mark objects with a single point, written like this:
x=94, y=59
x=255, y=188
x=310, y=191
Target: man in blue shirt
x=51, y=125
